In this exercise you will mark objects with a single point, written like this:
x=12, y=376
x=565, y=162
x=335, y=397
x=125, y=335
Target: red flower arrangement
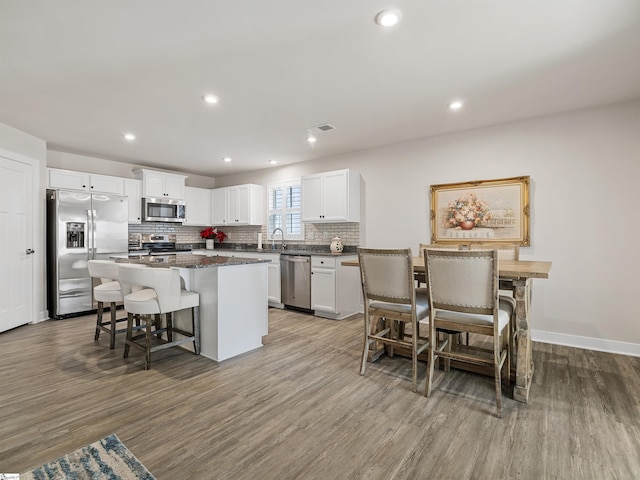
x=212, y=233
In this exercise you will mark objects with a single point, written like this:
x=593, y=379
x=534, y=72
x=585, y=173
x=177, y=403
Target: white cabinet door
x=66, y=179
x=238, y=205
x=86, y=182
x=198, y=208
x=161, y=184
x=323, y=290
x=107, y=184
x=133, y=190
x=174, y=186
x=331, y=197
x=312, y=198
x=243, y=206
x=335, y=196
x=219, y=206
x=274, y=283
x=232, y=206
x=153, y=184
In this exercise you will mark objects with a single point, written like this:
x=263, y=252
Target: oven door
x=163, y=210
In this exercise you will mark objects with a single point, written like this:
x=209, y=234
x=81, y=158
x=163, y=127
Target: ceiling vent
x=325, y=127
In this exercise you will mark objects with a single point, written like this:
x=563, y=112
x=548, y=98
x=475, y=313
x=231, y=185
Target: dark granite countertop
x=296, y=251
x=292, y=249
x=187, y=260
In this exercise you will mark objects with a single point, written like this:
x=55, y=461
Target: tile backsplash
x=314, y=233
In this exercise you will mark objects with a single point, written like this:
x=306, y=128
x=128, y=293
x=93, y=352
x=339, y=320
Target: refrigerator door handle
x=90, y=234
x=94, y=240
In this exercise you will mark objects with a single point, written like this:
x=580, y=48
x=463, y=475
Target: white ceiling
x=79, y=73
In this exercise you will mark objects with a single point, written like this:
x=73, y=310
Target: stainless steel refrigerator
x=80, y=227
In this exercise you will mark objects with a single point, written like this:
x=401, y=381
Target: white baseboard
x=599, y=344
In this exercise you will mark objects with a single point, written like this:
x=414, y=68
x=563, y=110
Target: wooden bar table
x=522, y=273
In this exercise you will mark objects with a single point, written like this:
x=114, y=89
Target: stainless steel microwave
x=163, y=210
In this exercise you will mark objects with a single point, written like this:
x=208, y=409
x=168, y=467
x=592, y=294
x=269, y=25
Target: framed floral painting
x=481, y=211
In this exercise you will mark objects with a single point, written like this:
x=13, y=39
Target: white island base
x=233, y=307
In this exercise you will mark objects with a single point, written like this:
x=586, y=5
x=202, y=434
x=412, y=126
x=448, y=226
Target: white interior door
x=16, y=237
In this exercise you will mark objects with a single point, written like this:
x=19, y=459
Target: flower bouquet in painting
x=210, y=234
x=466, y=212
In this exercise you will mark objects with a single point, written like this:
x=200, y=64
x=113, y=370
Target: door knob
x=30, y=251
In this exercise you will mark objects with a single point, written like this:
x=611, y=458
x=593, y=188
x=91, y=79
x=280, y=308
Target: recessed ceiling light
x=129, y=136
x=311, y=139
x=273, y=162
x=455, y=105
x=210, y=99
x=387, y=18
x=227, y=159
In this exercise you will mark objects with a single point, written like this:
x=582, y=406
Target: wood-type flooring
x=297, y=408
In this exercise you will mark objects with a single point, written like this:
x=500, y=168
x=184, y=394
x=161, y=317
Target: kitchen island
x=233, y=300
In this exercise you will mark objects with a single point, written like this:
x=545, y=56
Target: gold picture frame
x=494, y=211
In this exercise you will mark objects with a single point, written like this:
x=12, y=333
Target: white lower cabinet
x=335, y=290
x=274, y=293
x=323, y=285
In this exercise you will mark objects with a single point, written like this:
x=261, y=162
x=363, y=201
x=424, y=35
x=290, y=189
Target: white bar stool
x=108, y=291
x=161, y=294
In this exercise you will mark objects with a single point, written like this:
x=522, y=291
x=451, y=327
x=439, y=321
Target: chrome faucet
x=273, y=244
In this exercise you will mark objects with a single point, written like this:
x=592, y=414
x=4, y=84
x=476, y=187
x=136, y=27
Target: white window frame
x=284, y=211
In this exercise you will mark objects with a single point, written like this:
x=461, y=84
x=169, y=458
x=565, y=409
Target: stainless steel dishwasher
x=295, y=281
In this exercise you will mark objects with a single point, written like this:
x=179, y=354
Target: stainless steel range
x=154, y=244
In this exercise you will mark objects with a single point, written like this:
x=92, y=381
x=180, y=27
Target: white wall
x=35, y=150
x=585, y=212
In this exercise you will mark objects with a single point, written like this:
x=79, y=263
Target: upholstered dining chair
x=107, y=291
x=390, y=295
x=162, y=294
x=419, y=276
x=506, y=251
x=463, y=296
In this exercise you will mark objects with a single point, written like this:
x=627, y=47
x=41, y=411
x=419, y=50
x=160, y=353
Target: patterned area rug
x=105, y=459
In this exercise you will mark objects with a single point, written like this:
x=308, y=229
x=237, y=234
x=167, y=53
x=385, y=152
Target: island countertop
x=187, y=260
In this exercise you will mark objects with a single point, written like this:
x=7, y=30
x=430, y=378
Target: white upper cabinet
x=331, y=197
x=218, y=206
x=198, y=206
x=238, y=205
x=161, y=184
x=86, y=182
x=133, y=190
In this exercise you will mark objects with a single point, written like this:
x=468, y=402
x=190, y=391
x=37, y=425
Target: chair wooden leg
x=414, y=354
x=508, y=361
x=98, y=321
x=365, y=348
x=195, y=318
x=157, y=322
x=112, y=339
x=430, y=367
x=147, y=349
x=127, y=345
x=169, y=317
x=497, y=370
